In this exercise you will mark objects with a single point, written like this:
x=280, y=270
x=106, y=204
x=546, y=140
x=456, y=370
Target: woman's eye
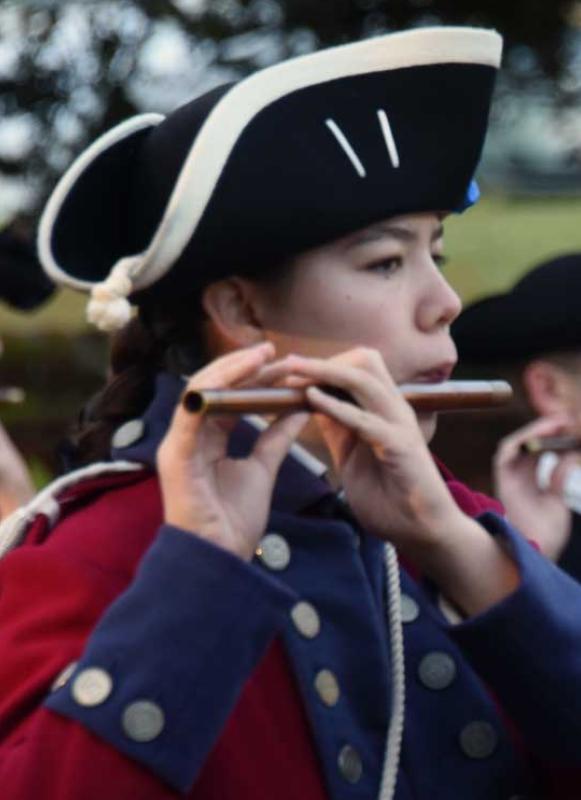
x=440, y=259
x=386, y=266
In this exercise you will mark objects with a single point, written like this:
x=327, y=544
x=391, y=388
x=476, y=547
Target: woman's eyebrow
x=378, y=232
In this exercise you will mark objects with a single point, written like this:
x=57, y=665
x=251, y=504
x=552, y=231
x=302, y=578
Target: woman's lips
x=436, y=375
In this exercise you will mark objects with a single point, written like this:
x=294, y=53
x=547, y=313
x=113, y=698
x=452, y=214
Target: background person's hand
x=539, y=513
x=15, y=483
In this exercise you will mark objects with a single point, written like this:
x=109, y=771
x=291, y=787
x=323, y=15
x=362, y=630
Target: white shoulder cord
x=13, y=527
x=395, y=729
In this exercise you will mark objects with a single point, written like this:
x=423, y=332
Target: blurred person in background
x=23, y=286
x=530, y=335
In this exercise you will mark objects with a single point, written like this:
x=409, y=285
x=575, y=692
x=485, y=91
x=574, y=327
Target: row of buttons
x=274, y=552
x=437, y=670
x=142, y=720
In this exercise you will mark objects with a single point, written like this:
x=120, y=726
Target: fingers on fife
x=195, y=439
x=382, y=418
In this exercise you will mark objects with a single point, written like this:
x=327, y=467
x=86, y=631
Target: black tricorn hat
x=540, y=314
x=253, y=173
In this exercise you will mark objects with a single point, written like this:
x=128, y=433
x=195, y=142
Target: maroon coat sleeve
x=54, y=758
x=50, y=599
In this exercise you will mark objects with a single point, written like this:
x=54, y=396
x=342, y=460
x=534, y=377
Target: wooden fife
x=424, y=397
x=555, y=444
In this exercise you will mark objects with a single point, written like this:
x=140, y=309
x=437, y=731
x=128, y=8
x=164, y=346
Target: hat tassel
x=109, y=308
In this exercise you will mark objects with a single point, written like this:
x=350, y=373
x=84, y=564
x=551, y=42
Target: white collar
x=297, y=451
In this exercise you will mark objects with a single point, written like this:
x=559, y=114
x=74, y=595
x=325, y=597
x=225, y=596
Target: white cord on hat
x=109, y=309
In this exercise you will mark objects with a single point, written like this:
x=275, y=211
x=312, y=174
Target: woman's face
x=381, y=288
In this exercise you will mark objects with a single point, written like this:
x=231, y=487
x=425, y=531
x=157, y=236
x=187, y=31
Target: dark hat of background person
x=540, y=314
x=251, y=174
x=23, y=284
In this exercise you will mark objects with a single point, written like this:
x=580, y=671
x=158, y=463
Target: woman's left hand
x=388, y=474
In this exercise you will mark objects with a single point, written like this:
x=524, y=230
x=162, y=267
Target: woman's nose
x=440, y=305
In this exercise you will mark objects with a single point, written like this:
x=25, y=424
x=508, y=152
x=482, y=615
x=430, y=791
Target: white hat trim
x=52, y=209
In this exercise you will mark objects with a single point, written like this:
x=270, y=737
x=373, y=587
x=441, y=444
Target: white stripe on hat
x=344, y=142
x=388, y=136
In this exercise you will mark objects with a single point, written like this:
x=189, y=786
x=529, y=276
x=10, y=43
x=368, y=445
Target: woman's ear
x=233, y=308
x=547, y=387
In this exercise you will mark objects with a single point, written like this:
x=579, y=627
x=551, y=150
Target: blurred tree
x=69, y=70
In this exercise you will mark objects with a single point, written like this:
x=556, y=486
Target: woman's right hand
x=221, y=499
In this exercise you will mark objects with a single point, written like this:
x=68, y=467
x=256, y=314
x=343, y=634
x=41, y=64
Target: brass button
x=306, y=619
x=64, y=676
x=143, y=721
x=410, y=610
x=437, y=670
x=129, y=433
x=349, y=762
x=92, y=686
x=478, y=739
x=327, y=687
x=274, y=551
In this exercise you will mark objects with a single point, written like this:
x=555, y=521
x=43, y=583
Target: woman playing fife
x=217, y=607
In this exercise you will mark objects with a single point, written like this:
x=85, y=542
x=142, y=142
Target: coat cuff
x=165, y=665
x=527, y=647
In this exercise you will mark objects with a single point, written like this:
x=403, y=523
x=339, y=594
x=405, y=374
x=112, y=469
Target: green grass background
x=493, y=244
